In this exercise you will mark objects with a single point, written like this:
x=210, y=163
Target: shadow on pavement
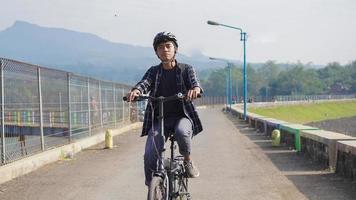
x=311, y=178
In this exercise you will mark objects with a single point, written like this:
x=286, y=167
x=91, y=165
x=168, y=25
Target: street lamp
x=243, y=38
x=228, y=81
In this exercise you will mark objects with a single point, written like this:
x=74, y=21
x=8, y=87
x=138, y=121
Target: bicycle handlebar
x=161, y=98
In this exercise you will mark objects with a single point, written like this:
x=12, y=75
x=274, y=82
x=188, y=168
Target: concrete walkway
x=235, y=163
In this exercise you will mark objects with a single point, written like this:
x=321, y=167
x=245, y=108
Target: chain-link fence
x=44, y=108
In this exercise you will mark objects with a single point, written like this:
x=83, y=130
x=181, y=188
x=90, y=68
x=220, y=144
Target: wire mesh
x=73, y=107
x=79, y=106
x=21, y=110
x=107, y=97
x=95, y=106
x=54, y=92
x=2, y=135
x=119, y=105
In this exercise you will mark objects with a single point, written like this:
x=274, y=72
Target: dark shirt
x=150, y=82
x=168, y=86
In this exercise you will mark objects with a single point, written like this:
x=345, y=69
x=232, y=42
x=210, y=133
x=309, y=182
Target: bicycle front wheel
x=158, y=189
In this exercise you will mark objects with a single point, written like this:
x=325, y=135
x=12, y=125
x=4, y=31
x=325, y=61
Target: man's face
x=165, y=51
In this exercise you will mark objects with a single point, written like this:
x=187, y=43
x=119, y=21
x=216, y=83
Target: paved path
x=235, y=163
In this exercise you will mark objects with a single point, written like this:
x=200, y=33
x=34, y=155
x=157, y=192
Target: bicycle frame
x=169, y=175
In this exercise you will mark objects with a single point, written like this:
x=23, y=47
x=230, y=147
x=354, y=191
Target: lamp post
x=243, y=38
x=228, y=81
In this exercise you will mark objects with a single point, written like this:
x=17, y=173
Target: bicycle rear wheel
x=182, y=185
x=158, y=189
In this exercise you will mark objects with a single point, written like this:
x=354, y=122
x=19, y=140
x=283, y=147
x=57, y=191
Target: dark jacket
x=150, y=83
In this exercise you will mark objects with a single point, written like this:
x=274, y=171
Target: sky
x=317, y=31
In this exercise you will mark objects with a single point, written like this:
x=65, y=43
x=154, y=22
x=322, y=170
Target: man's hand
x=133, y=94
x=193, y=93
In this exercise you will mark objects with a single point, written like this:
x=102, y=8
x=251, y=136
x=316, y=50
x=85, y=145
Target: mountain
x=83, y=53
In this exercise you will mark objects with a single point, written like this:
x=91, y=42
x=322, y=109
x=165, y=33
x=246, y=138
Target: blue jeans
x=182, y=129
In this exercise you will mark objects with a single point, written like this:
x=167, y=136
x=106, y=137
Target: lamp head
x=213, y=23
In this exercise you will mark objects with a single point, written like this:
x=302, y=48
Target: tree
x=285, y=79
x=351, y=79
x=215, y=85
x=332, y=75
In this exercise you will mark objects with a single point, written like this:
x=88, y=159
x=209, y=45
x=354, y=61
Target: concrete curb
x=31, y=163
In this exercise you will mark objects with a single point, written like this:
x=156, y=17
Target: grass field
x=309, y=112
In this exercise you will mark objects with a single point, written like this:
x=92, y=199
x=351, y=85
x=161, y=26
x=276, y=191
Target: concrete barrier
x=31, y=163
x=290, y=134
x=336, y=151
x=346, y=159
x=252, y=119
x=270, y=124
x=321, y=146
x=261, y=125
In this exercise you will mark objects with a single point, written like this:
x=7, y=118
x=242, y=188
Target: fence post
x=89, y=112
x=2, y=113
x=69, y=109
x=41, y=111
x=100, y=106
x=114, y=98
x=123, y=106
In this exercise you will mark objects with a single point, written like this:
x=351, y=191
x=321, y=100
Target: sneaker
x=191, y=169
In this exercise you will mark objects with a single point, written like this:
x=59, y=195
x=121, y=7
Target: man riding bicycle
x=180, y=116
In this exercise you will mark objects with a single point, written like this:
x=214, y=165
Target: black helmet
x=164, y=37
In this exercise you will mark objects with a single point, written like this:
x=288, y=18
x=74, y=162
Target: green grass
x=309, y=112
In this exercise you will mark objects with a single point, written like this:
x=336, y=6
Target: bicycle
x=170, y=180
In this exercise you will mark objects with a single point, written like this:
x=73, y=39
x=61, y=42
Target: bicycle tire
x=183, y=189
x=158, y=189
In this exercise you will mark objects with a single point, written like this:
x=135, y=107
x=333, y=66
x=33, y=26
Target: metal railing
x=284, y=98
x=43, y=108
x=312, y=97
x=210, y=100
